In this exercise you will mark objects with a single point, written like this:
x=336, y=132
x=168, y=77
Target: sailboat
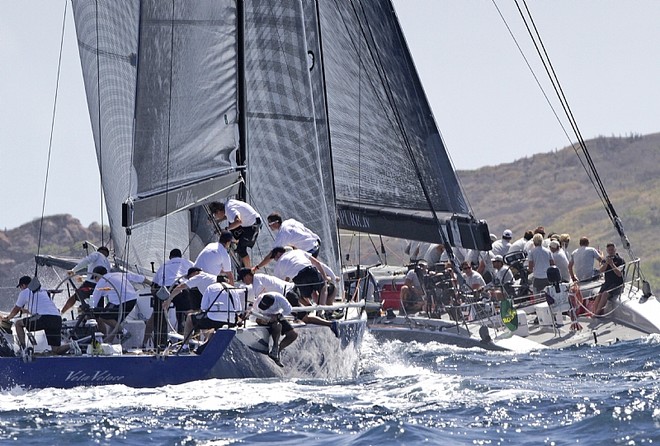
x=194, y=102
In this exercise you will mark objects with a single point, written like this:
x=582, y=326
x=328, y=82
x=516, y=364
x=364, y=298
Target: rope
x=50, y=138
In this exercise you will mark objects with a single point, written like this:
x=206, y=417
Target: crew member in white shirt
x=244, y=223
x=44, y=315
x=97, y=258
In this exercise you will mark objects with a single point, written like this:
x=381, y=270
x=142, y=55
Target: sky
x=485, y=101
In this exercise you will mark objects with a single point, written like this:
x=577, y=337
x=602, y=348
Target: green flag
x=509, y=315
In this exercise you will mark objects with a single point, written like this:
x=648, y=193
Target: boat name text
x=350, y=219
x=97, y=376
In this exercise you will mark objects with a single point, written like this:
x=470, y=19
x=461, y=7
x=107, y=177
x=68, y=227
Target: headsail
x=164, y=114
x=385, y=142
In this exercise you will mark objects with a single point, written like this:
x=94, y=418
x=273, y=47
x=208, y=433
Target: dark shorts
x=247, y=237
x=203, y=322
x=614, y=289
x=50, y=324
x=195, y=297
x=112, y=311
x=286, y=326
x=294, y=301
x=308, y=280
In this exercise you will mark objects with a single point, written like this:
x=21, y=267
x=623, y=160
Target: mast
x=241, y=154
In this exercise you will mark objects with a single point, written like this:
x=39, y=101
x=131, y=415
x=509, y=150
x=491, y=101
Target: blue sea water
x=405, y=394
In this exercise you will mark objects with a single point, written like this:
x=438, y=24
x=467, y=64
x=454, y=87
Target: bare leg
x=20, y=332
x=288, y=339
x=188, y=328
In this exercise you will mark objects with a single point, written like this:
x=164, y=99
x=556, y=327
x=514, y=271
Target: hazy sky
x=486, y=103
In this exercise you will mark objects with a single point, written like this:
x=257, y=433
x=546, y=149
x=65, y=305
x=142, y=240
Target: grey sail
x=288, y=158
x=164, y=115
x=392, y=172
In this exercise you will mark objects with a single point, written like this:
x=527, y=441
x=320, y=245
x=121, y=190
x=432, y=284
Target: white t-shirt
x=216, y=300
x=116, y=282
x=541, y=257
x=201, y=281
x=583, y=262
x=293, y=233
x=92, y=261
x=37, y=303
x=174, y=268
x=279, y=306
x=562, y=263
x=214, y=259
x=474, y=279
x=291, y=263
x=264, y=283
x=237, y=208
x=500, y=247
x=503, y=275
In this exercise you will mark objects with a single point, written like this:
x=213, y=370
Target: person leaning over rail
x=44, y=315
x=97, y=258
x=263, y=283
x=612, y=266
x=270, y=310
x=302, y=269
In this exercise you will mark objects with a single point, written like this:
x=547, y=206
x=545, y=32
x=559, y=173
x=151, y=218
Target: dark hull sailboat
x=193, y=102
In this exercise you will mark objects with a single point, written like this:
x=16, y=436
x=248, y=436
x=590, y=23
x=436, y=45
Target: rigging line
x=98, y=117
x=554, y=80
x=50, y=138
x=390, y=96
x=169, y=134
x=543, y=92
x=569, y=113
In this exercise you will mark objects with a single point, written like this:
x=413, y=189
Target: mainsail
x=161, y=89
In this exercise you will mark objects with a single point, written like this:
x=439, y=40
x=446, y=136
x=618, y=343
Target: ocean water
x=405, y=394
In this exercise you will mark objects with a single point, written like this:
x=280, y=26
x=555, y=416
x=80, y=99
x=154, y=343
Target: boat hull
x=231, y=353
x=628, y=317
x=130, y=369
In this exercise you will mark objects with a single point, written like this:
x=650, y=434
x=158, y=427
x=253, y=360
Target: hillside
x=61, y=235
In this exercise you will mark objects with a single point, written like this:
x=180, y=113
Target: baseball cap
x=554, y=244
x=497, y=258
x=266, y=301
x=25, y=280
x=507, y=234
